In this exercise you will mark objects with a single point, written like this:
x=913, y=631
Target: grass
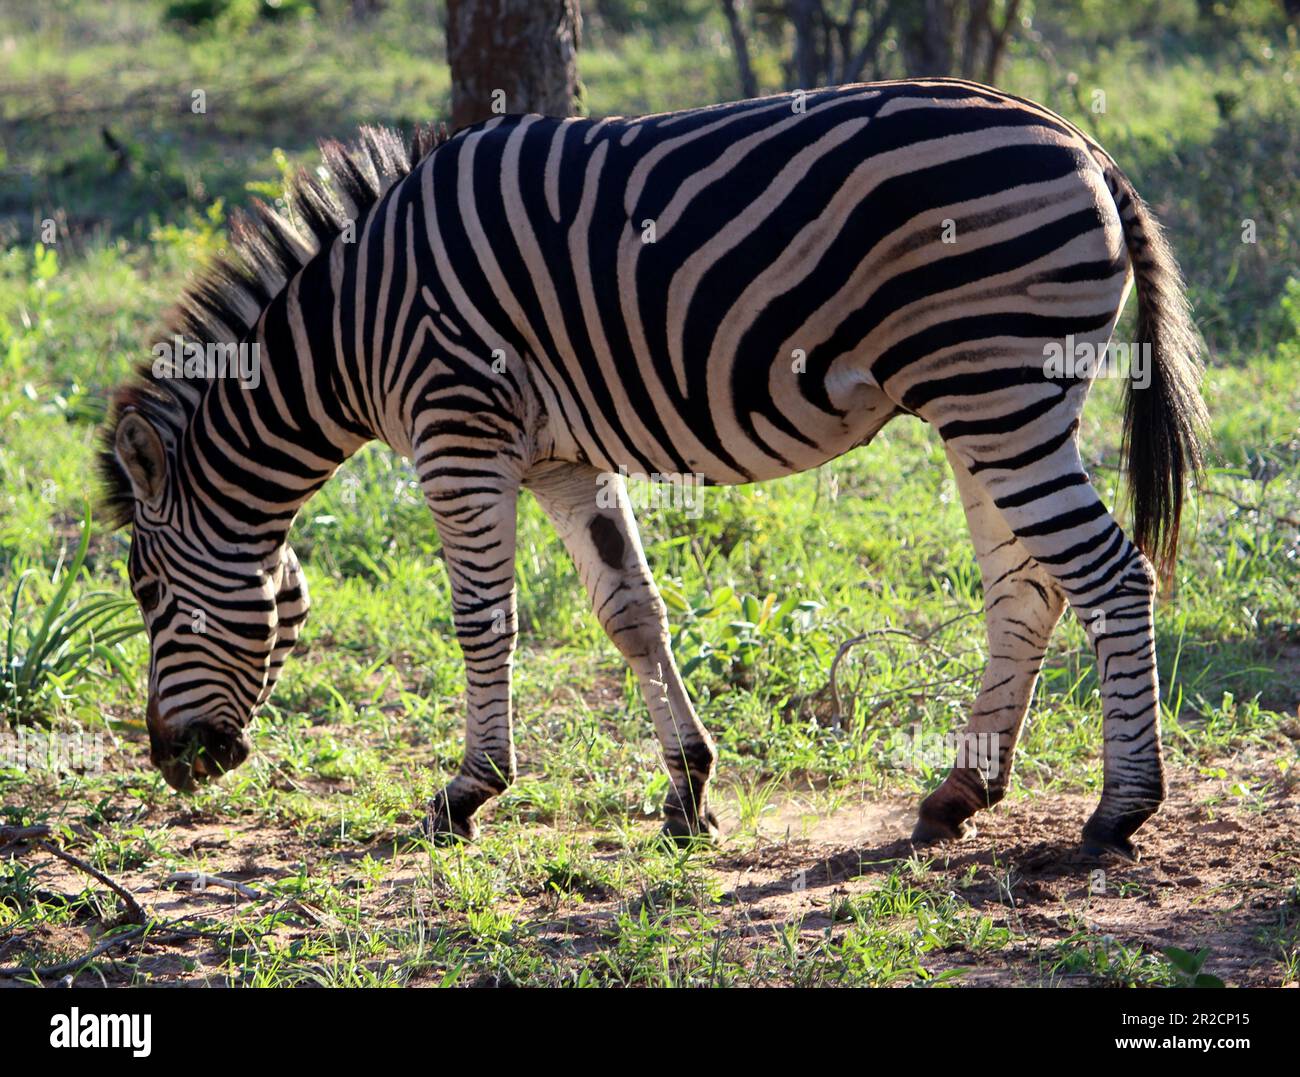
x=568, y=885
x=65, y=643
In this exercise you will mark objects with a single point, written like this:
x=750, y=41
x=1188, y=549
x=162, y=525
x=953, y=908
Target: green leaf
x=1184, y=961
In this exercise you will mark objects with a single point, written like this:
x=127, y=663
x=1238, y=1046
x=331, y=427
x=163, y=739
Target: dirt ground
x=1223, y=878
x=1216, y=879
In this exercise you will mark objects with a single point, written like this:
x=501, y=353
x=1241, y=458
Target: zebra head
x=221, y=620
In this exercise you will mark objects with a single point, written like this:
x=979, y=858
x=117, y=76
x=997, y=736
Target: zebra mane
x=268, y=248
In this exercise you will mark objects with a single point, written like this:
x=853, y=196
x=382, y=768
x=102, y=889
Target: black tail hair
x=1165, y=421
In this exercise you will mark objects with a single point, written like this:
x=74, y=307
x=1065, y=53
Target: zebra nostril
x=222, y=748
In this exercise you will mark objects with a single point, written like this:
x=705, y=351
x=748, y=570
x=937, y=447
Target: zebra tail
x=1165, y=420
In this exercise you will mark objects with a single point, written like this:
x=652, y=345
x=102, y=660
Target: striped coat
x=720, y=295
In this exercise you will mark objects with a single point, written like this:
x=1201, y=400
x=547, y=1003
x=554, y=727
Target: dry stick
x=43, y=971
x=135, y=914
x=201, y=880
x=848, y=644
x=12, y=835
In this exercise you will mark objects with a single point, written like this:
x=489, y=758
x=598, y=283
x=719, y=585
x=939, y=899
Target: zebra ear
x=139, y=450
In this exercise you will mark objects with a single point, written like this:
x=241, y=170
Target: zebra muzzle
x=203, y=752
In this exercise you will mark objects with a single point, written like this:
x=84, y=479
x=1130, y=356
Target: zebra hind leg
x=1022, y=604
x=591, y=513
x=1050, y=505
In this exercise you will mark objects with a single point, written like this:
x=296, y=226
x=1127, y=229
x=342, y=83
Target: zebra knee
x=639, y=630
x=1140, y=573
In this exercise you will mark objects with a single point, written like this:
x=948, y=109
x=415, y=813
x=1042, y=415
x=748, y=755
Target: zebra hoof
x=929, y=831
x=681, y=831
x=1100, y=839
x=441, y=827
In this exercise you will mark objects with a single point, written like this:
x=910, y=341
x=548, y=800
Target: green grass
x=366, y=723
x=49, y=651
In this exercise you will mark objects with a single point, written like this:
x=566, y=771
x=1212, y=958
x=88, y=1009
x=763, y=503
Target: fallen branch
x=135, y=914
x=201, y=880
x=159, y=934
x=142, y=923
x=43, y=971
x=13, y=835
x=36, y=835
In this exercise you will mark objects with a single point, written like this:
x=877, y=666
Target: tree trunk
x=740, y=46
x=803, y=14
x=510, y=56
x=998, y=44
x=936, y=39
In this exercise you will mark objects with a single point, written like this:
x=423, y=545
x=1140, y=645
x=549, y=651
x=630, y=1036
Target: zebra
x=736, y=292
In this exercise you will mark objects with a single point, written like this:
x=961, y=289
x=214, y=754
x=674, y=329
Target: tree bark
x=740, y=46
x=803, y=14
x=511, y=56
x=882, y=21
x=936, y=38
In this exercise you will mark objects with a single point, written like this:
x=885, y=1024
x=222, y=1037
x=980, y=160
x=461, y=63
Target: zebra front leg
x=476, y=522
x=591, y=513
x=1022, y=604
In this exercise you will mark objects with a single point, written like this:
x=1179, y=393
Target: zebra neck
x=258, y=446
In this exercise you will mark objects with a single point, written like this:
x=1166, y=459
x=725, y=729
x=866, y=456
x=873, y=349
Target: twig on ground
x=36, y=835
x=201, y=880
x=12, y=835
x=44, y=971
x=158, y=933
x=143, y=925
x=134, y=912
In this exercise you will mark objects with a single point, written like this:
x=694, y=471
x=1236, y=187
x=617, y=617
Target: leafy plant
x=1188, y=965
x=61, y=646
x=1289, y=347
x=748, y=625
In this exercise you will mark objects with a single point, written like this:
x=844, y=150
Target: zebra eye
x=149, y=594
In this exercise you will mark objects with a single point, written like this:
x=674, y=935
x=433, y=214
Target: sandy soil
x=1220, y=877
